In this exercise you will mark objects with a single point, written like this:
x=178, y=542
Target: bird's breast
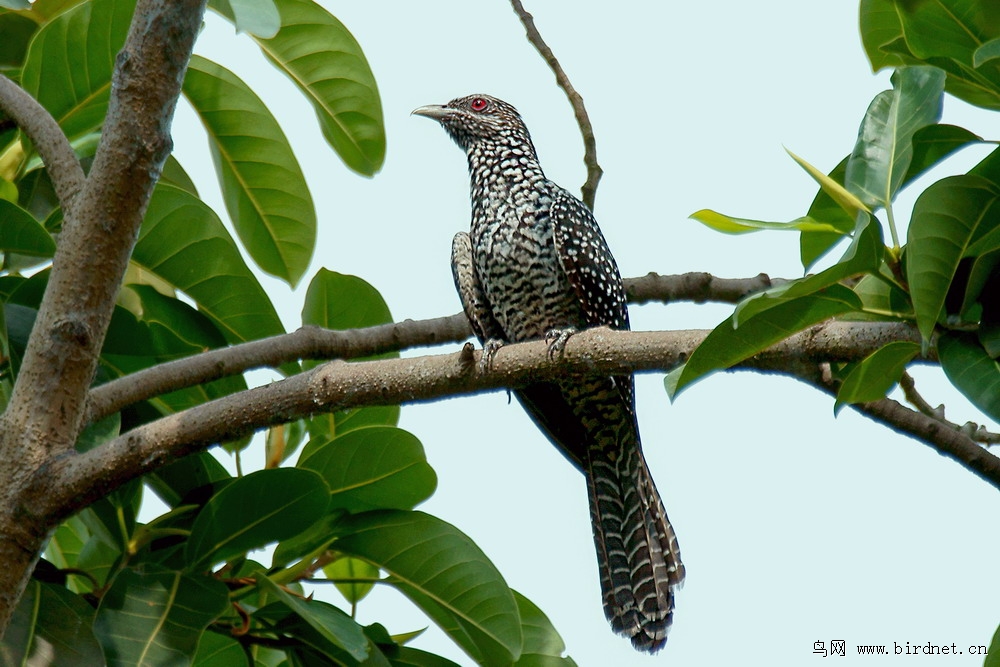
x=515, y=258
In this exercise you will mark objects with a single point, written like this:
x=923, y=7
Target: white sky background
x=795, y=526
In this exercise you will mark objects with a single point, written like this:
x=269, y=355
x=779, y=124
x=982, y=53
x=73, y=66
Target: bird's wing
x=588, y=264
x=591, y=270
x=470, y=291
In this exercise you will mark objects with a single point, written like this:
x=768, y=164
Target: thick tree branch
x=50, y=142
x=44, y=414
x=341, y=385
x=594, y=171
x=314, y=343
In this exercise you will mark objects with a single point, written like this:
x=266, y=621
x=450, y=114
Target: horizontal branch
x=316, y=343
x=341, y=385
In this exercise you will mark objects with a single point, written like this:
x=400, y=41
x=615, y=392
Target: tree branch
x=340, y=385
x=947, y=439
x=594, y=171
x=52, y=145
x=977, y=432
x=315, y=343
x=44, y=414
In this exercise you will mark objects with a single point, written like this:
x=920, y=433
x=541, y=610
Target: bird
x=535, y=265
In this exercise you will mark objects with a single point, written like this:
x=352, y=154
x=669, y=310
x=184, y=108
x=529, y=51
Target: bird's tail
x=637, y=550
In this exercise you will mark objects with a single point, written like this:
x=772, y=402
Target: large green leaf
x=17, y=31
x=379, y=467
x=21, y=233
x=324, y=60
x=331, y=623
x=51, y=627
x=157, y=617
x=727, y=344
x=340, y=301
x=884, y=149
x=262, y=184
x=972, y=371
x=264, y=507
x=445, y=573
x=873, y=377
x=184, y=243
x=70, y=60
x=947, y=217
x=880, y=26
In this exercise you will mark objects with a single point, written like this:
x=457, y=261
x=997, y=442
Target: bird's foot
x=557, y=338
x=490, y=349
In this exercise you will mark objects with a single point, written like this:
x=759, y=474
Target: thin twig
x=594, y=171
x=977, y=432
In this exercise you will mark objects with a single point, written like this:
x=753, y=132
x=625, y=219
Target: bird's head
x=476, y=119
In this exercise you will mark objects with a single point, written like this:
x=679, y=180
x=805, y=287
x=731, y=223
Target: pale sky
x=795, y=526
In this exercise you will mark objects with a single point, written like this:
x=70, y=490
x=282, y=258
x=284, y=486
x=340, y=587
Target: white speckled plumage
x=533, y=262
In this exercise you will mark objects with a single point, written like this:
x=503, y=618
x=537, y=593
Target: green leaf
x=340, y=301
x=987, y=52
x=443, y=571
x=884, y=149
x=325, y=62
x=21, y=233
x=331, y=623
x=184, y=243
x=262, y=184
x=932, y=144
x=837, y=192
x=69, y=63
x=993, y=653
x=253, y=511
x=880, y=26
x=728, y=345
x=406, y=656
x=351, y=572
x=540, y=637
x=864, y=255
x=730, y=225
x=50, y=626
x=257, y=17
x=873, y=377
x=215, y=650
x=813, y=245
x=946, y=218
x=972, y=371
x=379, y=467
x=157, y=617
x=175, y=481
x=950, y=29
x=16, y=4
x=17, y=31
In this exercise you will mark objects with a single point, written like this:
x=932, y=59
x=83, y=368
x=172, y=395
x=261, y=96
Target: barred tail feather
x=637, y=550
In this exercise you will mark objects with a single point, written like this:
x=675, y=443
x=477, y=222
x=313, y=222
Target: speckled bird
x=534, y=266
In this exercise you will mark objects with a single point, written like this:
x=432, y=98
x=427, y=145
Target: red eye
x=477, y=104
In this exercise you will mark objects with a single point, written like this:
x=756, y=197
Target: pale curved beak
x=435, y=111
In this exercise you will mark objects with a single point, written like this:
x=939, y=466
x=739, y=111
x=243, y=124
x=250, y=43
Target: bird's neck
x=503, y=171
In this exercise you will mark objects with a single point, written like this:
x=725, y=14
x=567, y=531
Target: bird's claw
x=490, y=349
x=557, y=338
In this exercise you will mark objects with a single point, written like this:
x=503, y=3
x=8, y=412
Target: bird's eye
x=477, y=104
